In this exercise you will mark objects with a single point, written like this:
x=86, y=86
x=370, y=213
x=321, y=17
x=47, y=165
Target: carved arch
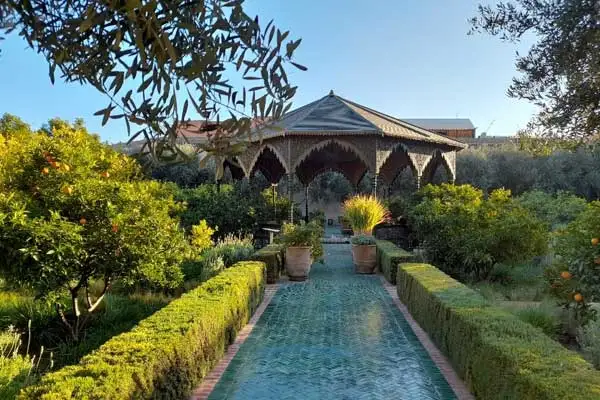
x=346, y=145
x=260, y=151
x=438, y=159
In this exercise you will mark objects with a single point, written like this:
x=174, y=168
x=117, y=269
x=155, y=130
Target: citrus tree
x=75, y=213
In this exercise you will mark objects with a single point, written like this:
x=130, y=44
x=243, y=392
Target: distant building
x=456, y=128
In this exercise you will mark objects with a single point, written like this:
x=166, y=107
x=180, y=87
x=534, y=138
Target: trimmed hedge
x=273, y=256
x=498, y=355
x=389, y=256
x=168, y=353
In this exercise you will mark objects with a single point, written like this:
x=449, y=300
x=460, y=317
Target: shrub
x=202, y=235
x=364, y=212
x=480, y=340
x=542, y=317
x=273, y=256
x=555, y=210
x=302, y=235
x=74, y=211
x=363, y=240
x=588, y=338
x=388, y=258
x=169, y=353
x=15, y=370
x=466, y=235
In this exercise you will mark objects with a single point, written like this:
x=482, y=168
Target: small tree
x=74, y=212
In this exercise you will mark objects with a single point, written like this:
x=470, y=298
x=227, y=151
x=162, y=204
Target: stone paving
x=337, y=335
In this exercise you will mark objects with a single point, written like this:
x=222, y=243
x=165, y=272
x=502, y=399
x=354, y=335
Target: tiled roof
x=441, y=123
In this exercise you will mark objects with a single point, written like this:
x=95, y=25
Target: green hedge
x=389, y=256
x=168, y=353
x=14, y=374
x=498, y=355
x=273, y=256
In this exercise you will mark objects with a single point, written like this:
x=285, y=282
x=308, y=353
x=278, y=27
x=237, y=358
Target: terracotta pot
x=365, y=258
x=297, y=262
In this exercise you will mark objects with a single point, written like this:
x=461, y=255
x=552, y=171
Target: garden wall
x=168, y=353
x=498, y=355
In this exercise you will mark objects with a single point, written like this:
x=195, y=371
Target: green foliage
x=318, y=216
x=388, y=258
x=480, y=340
x=273, y=256
x=363, y=240
x=73, y=211
x=364, y=212
x=303, y=235
x=555, y=210
x=543, y=317
x=399, y=206
x=169, y=57
x=15, y=370
x=466, y=234
x=169, y=353
x=588, y=338
x=202, y=236
x=559, y=72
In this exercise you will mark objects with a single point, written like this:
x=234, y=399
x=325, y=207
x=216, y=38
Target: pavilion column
x=419, y=179
x=290, y=180
x=306, y=203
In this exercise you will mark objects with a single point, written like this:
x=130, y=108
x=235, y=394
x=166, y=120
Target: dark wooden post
x=306, y=203
x=375, y=178
x=290, y=178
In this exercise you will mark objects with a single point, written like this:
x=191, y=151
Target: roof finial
x=331, y=93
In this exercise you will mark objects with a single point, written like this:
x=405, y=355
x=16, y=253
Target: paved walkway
x=338, y=335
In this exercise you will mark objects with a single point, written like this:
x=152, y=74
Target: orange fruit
x=578, y=297
x=83, y=221
x=68, y=190
x=565, y=275
x=595, y=241
x=45, y=171
x=105, y=174
x=115, y=228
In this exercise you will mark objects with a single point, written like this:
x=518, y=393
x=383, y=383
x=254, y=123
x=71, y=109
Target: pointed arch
x=438, y=159
x=395, y=162
x=260, y=151
x=269, y=162
x=339, y=142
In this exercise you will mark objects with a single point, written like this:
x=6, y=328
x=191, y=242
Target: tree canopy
x=561, y=71
x=156, y=60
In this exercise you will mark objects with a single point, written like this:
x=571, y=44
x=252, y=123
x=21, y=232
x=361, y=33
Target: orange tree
x=74, y=212
x=575, y=277
x=466, y=234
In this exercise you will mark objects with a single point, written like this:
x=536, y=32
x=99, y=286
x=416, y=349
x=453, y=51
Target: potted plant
x=302, y=247
x=363, y=213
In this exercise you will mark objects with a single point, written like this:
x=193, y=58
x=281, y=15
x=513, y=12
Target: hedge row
x=14, y=374
x=498, y=355
x=389, y=256
x=168, y=353
x=273, y=256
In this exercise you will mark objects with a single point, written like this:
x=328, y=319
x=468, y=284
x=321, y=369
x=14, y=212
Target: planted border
x=273, y=256
x=168, y=353
x=498, y=355
x=389, y=256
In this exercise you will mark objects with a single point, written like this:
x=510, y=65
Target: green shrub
x=543, y=317
x=588, y=338
x=555, y=210
x=498, y=356
x=15, y=370
x=388, y=258
x=273, y=256
x=303, y=235
x=363, y=240
x=169, y=353
x=467, y=234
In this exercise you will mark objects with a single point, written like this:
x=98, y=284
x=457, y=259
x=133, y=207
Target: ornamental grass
x=364, y=212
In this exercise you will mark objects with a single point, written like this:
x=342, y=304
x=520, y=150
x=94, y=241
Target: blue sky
x=409, y=58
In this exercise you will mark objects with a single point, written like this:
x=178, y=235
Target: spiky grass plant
x=364, y=212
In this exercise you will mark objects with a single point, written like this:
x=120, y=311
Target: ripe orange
x=115, y=228
x=45, y=171
x=578, y=297
x=68, y=190
x=595, y=241
x=105, y=174
x=83, y=221
x=565, y=275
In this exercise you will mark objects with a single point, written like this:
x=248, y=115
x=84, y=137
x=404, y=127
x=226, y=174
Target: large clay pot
x=365, y=258
x=297, y=262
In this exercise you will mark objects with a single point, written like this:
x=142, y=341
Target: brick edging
x=210, y=381
x=457, y=385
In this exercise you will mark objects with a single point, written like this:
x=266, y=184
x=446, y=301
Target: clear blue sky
x=409, y=58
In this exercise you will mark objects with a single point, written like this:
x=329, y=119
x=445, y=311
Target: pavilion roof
x=333, y=115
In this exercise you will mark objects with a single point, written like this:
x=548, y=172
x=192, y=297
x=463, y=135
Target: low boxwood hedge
x=498, y=355
x=389, y=256
x=273, y=256
x=168, y=353
x=14, y=374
